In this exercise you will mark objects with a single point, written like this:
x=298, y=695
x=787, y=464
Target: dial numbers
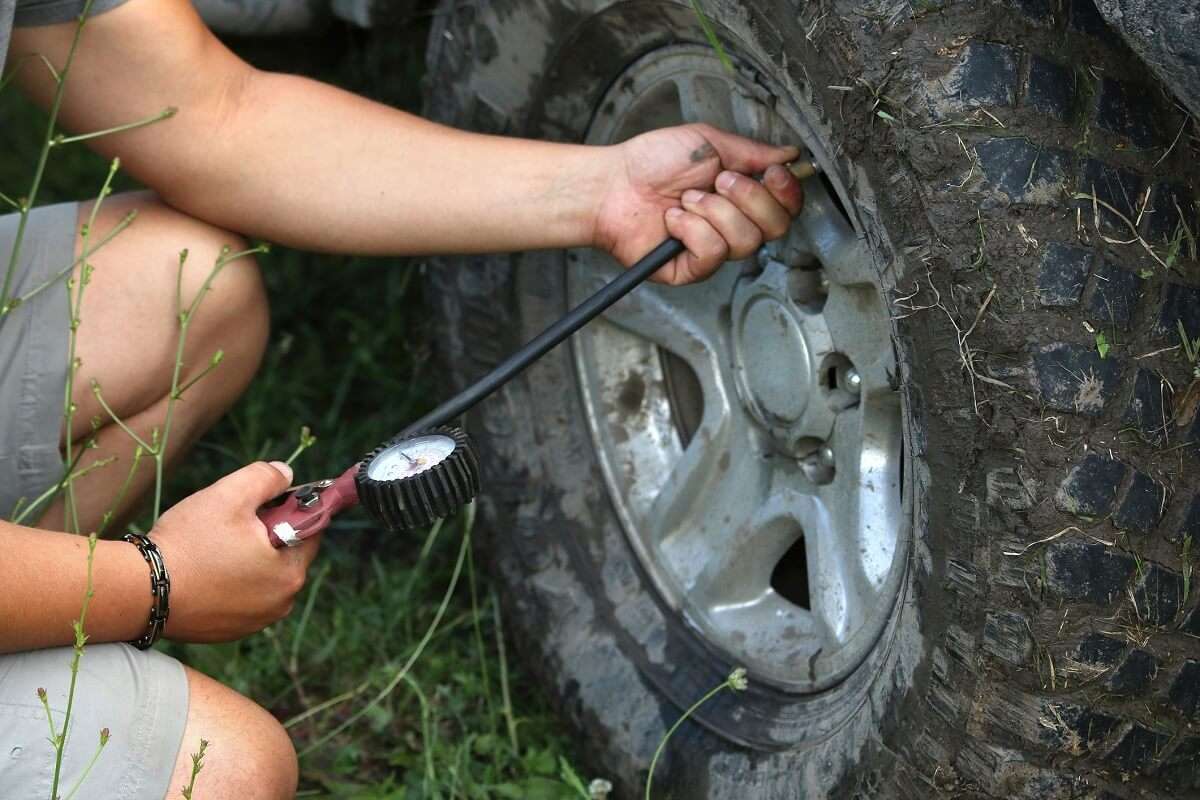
x=410, y=457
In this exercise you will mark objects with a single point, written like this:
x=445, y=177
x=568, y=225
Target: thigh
x=140, y=697
x=129, y=324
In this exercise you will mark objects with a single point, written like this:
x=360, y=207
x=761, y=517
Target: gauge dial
x=410, y=457
x=410, y=482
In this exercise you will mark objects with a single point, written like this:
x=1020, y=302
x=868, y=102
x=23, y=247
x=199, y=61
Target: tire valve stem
x=803, y=168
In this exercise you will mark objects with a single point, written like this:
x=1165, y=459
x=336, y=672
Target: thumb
x=746, y=155
x=255, y=484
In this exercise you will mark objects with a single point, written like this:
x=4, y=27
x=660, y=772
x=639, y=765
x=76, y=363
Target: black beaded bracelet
x=160, y=590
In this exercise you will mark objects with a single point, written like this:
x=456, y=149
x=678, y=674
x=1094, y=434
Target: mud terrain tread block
x=1137, y=748
x=1024, y=171
x=1063, y=274
x=1180, y=305
x=1182, y=769
x=1006, y=636
x=1150, y=406
x=1098, y=650
x=1170, y=209
x=1116, y=295
x=1087, y=572
x=1134, y=673
x=1191, y=522
x=1084, y=725
x=1143, y=505
x=1051, y=88
x=1075, y=378
x=987, y=75
x=1090, y=488
x=1115, y=186
x=1128, y=111
x=1184, y=692
x=1158, y=595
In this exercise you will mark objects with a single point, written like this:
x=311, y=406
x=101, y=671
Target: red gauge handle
x=307, y=510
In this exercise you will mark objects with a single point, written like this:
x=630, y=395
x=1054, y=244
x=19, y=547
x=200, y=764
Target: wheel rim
x=748, y=427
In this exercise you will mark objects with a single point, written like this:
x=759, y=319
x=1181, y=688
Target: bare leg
x=249, y=752
x=127, y=340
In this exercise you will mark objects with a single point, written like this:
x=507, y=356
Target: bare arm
x=308, y=165
x=44, y=575
x=226, y=580
x=298, y=162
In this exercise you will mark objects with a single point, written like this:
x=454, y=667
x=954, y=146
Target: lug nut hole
x=840, y=382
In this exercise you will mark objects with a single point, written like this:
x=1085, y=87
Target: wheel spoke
x=708, y=500
x=848, y=524
x=704, y=98
x=832, y=240
x=682, y=319
x=751, y=118
x=859, y=336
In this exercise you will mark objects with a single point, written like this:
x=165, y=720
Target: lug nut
x=853, y=381
x=818, y=466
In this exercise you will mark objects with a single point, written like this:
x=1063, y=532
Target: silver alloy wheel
x=748, y=427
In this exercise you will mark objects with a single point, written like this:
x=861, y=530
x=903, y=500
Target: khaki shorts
x=33, y=355
x=142, y=698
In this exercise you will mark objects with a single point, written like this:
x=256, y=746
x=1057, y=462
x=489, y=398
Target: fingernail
x=692, y=196
x=725, y=180
x=674, y=213
x=284, y=469
x=777, y=176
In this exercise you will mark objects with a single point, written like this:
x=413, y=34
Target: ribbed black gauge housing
x=417, y=500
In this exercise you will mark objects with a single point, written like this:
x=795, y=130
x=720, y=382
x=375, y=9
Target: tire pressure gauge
x=429, y=471
x=413, y=480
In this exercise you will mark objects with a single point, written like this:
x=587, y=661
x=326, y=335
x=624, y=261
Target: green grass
x=350, y=357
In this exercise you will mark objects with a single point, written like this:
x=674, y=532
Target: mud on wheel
x=926, y=467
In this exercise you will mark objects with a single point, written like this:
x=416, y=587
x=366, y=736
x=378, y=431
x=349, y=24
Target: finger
x=706, y=249
x=756, y=202
x=739, y=232
x=307, y=550
x=784, y=187
x=254, y=484
x=746, y=155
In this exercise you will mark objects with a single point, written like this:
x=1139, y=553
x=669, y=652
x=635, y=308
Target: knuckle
x=776, y=229
x=745, y=245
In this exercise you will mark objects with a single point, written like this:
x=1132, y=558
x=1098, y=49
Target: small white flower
x=737, y=680
x=599, y=789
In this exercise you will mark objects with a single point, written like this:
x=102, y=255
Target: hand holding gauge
x=430, y=470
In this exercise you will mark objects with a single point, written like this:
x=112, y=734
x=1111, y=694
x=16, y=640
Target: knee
x=255, y=759
x=249, y=752
x=233, y=314
x=276, y=769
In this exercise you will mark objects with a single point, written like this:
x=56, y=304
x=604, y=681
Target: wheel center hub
x=780, y=343
x=774, y=359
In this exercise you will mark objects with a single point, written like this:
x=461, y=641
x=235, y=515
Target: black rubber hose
x=575, y=319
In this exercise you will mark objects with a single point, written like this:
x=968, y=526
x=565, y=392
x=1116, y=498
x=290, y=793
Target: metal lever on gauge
x=429, y=471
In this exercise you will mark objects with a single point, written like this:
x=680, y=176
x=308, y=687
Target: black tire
x=1044, y=641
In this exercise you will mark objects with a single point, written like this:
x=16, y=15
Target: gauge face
x=410, y=457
